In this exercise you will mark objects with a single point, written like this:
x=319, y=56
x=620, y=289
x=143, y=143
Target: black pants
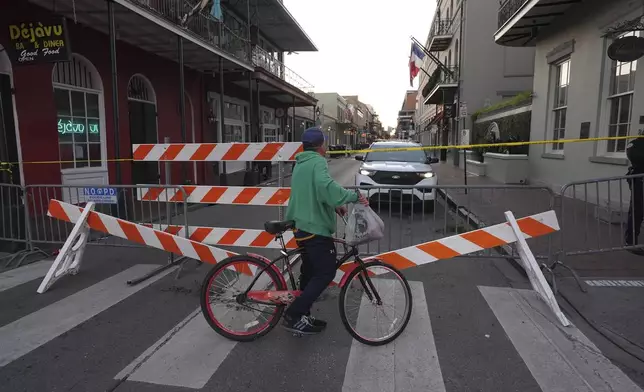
x=317, y=272
x=635, y=211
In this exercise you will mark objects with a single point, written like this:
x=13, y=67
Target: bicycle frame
x=272, y=297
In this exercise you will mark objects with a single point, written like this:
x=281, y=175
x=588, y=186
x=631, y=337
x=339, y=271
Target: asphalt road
x=473, y=328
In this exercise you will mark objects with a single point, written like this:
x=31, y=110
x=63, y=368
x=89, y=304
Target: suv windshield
x=419, y=156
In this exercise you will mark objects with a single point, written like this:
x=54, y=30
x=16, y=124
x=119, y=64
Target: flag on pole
x=415, y=62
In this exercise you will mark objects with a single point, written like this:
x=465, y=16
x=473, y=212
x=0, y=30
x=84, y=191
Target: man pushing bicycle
x=315, y=199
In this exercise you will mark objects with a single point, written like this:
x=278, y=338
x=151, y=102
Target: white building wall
x=490, y=72
x=587, y=96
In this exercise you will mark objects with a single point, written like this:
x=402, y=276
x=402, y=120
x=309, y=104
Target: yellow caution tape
x=419, y=148
x=483, y=145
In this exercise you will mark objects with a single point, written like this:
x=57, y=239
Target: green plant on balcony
x=517, y=100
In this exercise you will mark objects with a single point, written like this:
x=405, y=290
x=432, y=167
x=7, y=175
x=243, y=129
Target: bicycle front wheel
x=368, y=320
x=240, y=320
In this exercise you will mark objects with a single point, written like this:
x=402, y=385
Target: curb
x=464, y=213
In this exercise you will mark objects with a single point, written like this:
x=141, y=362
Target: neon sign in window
x=67, y=127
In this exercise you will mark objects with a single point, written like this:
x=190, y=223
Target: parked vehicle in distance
x=338, y=147
x=404, y=168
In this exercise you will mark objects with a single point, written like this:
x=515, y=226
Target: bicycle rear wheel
x=367, y=321
x=245, y=321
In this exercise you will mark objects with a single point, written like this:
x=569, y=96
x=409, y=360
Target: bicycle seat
x=278, y=227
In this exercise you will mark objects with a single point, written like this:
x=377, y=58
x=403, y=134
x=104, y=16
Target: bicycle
x=270, y=301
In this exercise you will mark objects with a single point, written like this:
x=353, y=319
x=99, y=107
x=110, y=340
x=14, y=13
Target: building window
x=269, y=126
x=78, y=101
x=233, y=133
x=560, y=104
x=233, y=111
x=620, y=101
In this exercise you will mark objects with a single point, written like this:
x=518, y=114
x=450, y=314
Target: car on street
x=404, y=168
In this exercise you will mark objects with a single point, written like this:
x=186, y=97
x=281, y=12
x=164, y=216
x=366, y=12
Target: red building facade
x=60, y=126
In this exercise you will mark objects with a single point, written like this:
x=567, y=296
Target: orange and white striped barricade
x=235, y=195
x=217, y=152
x=166, y=238
x=132, y=232
x=535, y=275
x=232, y=195
x=220, y=236
x=514, y=231
x=70, y=256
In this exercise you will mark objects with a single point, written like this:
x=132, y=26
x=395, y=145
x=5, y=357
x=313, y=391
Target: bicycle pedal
x=298, y=335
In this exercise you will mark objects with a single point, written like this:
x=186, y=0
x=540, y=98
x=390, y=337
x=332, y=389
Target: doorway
x=8, y=145
x=9, y=174
x=142, y=109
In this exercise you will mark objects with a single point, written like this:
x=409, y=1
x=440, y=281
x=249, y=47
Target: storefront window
x=233, y=133
x=78, y=123
x=233, y=111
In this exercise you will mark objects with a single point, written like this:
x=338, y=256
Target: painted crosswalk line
x=187, y=359
x=22, y=275
x=32, y=331
x=190, y=354
x=560, y=359
x=408, y=364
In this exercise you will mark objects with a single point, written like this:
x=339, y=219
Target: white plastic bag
x=363, y=226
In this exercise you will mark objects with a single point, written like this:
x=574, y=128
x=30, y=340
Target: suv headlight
x=366, y=172
x=426, y=174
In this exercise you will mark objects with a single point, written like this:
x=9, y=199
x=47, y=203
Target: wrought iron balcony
x=440, y=82
x=228, y=35
x=268, y=62
x=442, y=33
x=521, y=21
x=508, y=9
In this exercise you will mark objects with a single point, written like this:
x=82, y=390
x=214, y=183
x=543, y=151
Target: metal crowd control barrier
x=595, y=212
x=15, y=237
x=49, y=232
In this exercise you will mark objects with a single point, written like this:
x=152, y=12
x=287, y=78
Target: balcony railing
x=442, y=32
x=508, y=9
x=201, y=25
x=438, y=78
x=265, y=60
x=442, y=27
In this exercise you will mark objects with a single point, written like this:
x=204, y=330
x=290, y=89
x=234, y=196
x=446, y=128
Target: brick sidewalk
x=580, y=228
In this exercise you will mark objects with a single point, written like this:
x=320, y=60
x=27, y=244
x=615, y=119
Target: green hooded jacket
x=315, y=195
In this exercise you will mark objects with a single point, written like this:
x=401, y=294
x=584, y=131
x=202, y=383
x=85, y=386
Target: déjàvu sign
x=39, y=42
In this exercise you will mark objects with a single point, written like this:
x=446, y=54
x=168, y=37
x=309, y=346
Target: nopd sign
x=39, y=42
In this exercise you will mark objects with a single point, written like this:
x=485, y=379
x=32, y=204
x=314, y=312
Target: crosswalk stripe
x=32, y=331
x=558, y=360
x=188, y=359
x=409, y=363
x=22, y=275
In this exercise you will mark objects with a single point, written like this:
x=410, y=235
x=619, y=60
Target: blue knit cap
x=313, y=137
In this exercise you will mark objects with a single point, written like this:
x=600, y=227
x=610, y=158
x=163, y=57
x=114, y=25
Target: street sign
x=463, y=109
x=101, y=195
x=465, y=137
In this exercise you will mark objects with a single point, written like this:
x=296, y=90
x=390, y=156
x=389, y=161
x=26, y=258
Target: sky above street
x=363, y=48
